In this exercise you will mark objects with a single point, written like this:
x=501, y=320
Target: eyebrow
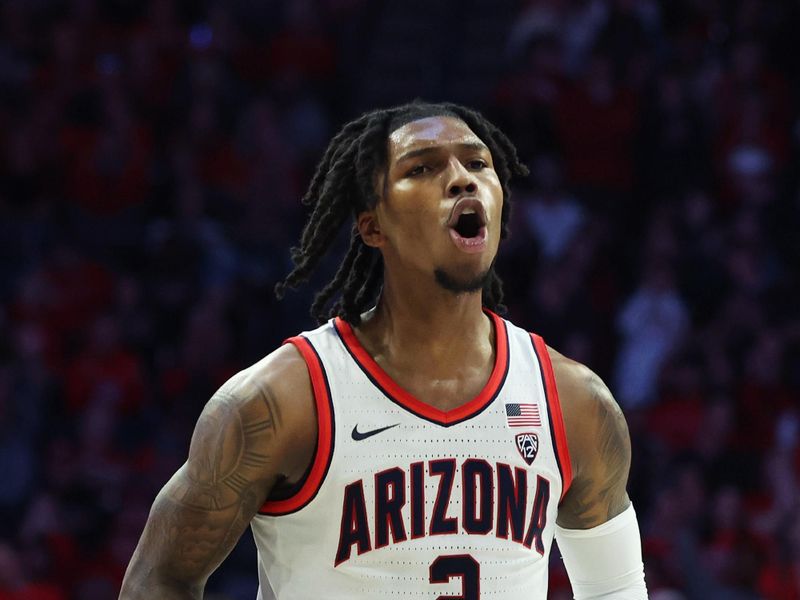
x=480, y=146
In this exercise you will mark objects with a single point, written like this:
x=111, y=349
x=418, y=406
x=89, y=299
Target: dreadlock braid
x=326, y=218
x=344, y=272
x=333, y=150
x=372, y=285
x=371, y=153
x=343, y=185
x=347, y=304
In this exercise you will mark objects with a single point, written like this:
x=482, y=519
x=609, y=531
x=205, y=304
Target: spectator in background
x=671, y=143
x=651, y=323
x=780, y=578
x=17, y=453
x=14, y=584
x=552, y=216
x=777, y=524
x=596, y=124
x=104, y=372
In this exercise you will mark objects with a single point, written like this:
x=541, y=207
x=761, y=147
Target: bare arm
x=599, y=446
x=247, y=439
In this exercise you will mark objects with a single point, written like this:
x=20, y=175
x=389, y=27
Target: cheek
x=402, y=187
x=496, y=194
x=412, y=209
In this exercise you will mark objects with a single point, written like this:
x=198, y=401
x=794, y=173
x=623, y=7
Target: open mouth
x=467, y=225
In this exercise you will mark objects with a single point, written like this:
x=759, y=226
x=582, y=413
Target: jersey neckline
x=397, y=394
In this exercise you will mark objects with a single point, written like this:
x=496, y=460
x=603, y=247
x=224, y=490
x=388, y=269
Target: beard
x=460, y=285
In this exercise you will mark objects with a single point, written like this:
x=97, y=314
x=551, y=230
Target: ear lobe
x=369, y=229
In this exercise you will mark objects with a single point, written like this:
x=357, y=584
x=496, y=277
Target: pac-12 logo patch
x=528, y=446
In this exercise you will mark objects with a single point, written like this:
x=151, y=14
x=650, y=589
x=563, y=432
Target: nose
x=461, y=181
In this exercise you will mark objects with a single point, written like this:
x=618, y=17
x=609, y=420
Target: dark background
x=153, y=157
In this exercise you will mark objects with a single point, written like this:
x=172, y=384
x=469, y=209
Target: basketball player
x=416, y=445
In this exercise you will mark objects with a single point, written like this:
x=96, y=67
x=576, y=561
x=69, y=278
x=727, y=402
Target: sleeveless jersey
x=406, y=501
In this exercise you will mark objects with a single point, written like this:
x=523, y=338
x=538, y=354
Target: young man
x=416, y=445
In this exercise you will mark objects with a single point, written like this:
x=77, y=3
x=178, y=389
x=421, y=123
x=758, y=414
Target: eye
x=477, y=164
x=418, y=170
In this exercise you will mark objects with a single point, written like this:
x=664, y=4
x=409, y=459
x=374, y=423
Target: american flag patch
x=523, y=415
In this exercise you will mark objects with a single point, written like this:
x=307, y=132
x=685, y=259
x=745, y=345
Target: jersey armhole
x=305, y=490
x=554, y=414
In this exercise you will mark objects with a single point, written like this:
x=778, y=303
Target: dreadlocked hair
x=343, y=186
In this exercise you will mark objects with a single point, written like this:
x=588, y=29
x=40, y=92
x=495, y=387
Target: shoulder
x=273, y=395
x=598, y=443
x=255, y=434
x=586, y=401
x=280, y=380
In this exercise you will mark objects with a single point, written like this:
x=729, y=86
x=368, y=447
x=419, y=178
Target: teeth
x=469, y=211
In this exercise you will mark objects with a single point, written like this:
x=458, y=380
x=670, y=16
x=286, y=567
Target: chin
x=459, y=282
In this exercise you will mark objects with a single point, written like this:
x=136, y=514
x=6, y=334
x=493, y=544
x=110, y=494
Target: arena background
x=153, y=157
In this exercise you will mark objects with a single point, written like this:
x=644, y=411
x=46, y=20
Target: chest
x=445, y=388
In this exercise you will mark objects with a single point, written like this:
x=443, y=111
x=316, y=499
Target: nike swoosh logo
x=358, y=436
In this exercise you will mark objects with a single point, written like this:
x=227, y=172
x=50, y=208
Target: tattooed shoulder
x=254, y=430
x=230, y=447
x=600, y=451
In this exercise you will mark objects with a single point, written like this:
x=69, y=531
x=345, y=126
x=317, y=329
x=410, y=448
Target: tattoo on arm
x=202, y=511
x=598, y=494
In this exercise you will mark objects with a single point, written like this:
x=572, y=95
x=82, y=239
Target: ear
x=370, y=229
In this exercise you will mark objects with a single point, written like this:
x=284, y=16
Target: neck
x=409, y=318
x=437, y=345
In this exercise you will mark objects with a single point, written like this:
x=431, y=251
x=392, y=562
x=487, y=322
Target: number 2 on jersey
x=444, y=568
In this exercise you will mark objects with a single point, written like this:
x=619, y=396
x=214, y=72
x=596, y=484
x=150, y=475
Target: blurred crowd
x=153, y=157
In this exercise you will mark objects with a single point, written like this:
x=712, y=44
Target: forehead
x=430, y=132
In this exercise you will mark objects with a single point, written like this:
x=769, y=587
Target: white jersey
x=406, y=501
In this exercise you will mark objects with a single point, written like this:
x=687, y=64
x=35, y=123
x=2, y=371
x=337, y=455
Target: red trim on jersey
x=556, y=417
x=405, y=399
x=322, y=456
